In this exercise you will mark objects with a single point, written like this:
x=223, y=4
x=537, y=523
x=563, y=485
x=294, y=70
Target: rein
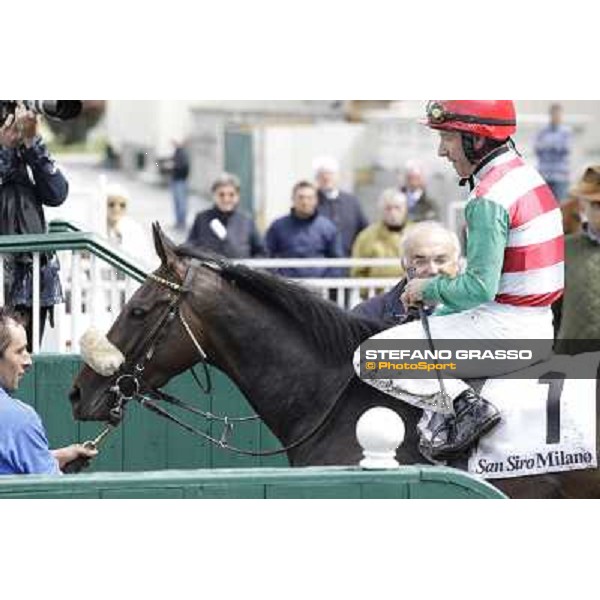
x=129, y=385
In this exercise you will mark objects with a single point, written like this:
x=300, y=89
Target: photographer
x=29, y=179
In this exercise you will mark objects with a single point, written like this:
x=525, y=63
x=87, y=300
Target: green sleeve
x=488, y=225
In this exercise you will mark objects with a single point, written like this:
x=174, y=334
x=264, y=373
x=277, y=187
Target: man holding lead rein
x=515, y=268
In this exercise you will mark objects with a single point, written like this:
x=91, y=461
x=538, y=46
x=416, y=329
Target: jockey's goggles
x=437, y=114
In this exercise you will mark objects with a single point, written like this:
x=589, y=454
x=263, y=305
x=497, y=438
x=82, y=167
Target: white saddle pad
x=548, y=421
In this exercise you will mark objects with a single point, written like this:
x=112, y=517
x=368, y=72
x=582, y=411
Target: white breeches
x=489, y=322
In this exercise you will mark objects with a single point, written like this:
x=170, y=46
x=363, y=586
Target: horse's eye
x=138, y=313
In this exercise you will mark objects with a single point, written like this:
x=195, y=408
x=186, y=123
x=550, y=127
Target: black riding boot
x=474, y=418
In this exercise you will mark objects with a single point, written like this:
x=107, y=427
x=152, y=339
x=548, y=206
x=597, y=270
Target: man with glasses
x=428, y=250
x=122, y=230
x=223, y=228
x=514, y=271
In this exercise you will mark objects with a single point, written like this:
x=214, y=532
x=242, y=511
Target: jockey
x=514, y=272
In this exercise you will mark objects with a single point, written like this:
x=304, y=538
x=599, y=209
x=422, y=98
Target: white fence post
x=380, y=432
x=35, y=308
x=75, y=300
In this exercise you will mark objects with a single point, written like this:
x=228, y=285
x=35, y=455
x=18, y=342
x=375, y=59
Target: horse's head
x=147, y=345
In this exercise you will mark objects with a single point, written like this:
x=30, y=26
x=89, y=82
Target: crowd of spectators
x=324, y=221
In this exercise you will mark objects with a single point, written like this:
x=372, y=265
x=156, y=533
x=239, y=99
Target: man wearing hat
x=580, y=312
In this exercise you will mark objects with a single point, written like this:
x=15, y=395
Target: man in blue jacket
x=23, y=442
x=553, y=149
x=304, y=233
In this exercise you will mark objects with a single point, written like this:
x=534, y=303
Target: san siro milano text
x=541, y=460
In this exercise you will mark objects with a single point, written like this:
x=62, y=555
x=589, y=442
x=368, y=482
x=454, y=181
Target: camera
x=58, y=110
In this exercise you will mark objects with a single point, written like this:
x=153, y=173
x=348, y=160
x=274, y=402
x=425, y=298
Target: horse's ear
x=165, y=248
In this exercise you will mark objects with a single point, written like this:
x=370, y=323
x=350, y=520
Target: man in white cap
x=341, y=207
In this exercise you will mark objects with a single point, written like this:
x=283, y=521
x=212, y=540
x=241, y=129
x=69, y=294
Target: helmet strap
x=513, y=146
x=476, y=155
x=468, y=144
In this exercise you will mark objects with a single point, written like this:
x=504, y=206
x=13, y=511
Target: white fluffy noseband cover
x=99, y=354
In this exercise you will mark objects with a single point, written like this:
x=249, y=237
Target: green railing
x=98, y=270
x=63, y=236
x=145, y=441
x=310, y=482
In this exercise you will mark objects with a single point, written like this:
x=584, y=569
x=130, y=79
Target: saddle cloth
x=548, y=420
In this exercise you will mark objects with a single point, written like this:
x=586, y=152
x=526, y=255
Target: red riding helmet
x=494, y=119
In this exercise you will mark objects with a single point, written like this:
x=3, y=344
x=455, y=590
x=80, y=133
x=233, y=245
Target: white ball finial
x=380, y=431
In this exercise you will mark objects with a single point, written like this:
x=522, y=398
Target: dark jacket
x=316, y=237
x=578, y=317
x=424, y=210
x=347, y=215
x=384, y=308
x=181, y=165
x=387, y=308
x=21, y=212
x=242, y=240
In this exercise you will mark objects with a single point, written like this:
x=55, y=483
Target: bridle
x=129, y=384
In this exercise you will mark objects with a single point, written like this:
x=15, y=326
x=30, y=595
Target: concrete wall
x=285, y=155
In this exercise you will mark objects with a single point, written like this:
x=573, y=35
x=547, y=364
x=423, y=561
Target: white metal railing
x=95, y=292
x=346, y=292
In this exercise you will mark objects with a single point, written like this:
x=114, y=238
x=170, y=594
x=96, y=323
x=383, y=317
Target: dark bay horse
x=288, y=351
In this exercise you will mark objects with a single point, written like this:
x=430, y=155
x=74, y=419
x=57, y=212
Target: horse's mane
x=332, y=331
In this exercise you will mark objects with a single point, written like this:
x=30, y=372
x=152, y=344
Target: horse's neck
x=295, y=401
x=286, y=384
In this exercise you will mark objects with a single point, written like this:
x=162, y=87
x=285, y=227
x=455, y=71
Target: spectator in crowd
x=341, y=207
x=429, y=249
x=29, y=179
x=304, y=233
x=383, y=239
x=179, y=167
x=553, y=149
x=579, y=314
x=420, y=206
x=121, y=229
x=111, y=158
x=223, y=228
x=572, y=217
x=23, y=442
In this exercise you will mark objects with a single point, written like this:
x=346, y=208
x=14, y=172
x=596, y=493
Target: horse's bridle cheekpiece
x=129, y=384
